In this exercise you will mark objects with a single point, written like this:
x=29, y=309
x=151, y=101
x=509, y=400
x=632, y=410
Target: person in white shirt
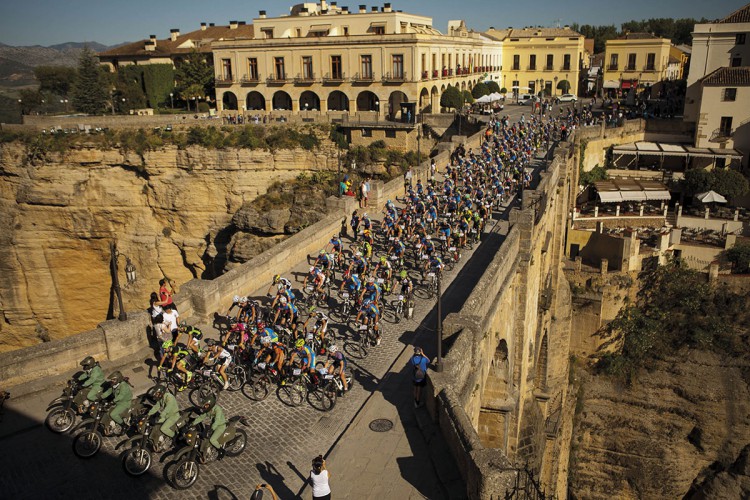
x=171, y=320
x=319, y=479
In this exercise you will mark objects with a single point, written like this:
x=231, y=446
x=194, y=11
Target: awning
x=611, y=84
x=658, y=195
x=378, y=24
x=610, y=196
x=316, y=28
x=633, y=195
x=626, y=84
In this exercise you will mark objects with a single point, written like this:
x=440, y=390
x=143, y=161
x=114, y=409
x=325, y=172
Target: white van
x=523, y=98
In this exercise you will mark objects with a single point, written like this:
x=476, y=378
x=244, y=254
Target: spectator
x=165, y=292
x=171, y=320
x=407, y=178
x=362, y=194
x=258, y=493
x=319, y=479
x=157, y=317
x=419, y=363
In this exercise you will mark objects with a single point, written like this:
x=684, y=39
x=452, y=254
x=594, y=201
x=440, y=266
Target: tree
x=452, y=98
x=493, y=87
x=729, y=183
x=129, y=86
x=31, y=100
x=193, y=92
x=55, y=79
x=195, y=72
x=563, y=85
x=503, y=90
x=697, y=180
x=468, y=98
x=479, y=90
x=739, y=256
x=89, y=91
x=158, y=81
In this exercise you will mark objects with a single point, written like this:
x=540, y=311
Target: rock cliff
x=685, y=420
x=170, y=211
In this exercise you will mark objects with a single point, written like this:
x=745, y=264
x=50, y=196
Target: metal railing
x=721, y=135
x=339, y=78
x=395, y=77
x=362, y=78
x=310, y=78
x=250, y=79
x=277, y=78
x=224, y=80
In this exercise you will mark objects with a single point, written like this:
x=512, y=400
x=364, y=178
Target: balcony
x=435, y=74
x=515, y=68
x=566, y=68
x=250, y=80
x=549, y=68
x=721, y=135
x=363, y=78
x=630, y=68
x=334, y=78
x=278, y=79
x=649, y=69
x=224, y=80
x=305, y=79
x=531, y=67
x=425, y=75
x=395, y=77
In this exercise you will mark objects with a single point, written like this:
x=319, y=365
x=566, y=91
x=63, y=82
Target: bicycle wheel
x=292, y=394
x=320, y=400
x=236, y=378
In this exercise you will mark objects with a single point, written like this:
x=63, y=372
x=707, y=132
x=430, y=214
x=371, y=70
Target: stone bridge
x=501, y=401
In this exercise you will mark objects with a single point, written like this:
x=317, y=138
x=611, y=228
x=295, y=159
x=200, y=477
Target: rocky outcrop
x=683, y=416
x=169, y=210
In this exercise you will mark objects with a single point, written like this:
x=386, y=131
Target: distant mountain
x=17, y=63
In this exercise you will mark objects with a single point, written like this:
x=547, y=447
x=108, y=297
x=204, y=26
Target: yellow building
x=678, y=63
x=540, y=58
x=635, y=59
x=321, y=59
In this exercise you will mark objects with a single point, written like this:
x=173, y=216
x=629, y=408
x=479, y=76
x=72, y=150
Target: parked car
x=568, y=98
x=524, y=98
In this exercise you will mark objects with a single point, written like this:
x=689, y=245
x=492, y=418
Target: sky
x=49, y=22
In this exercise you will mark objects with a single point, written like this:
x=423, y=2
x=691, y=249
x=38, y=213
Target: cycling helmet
x=276, y=278
x=312, y=269
x=371, y=280
x=364, y=214
x=383, y=259
x=283, y=301
x=300, y=343
x=210, y=342
x=157, y=392
x=336, y=236
x=403, y=274
x=243, y=300
x=428, y=237
x=196, y=333
x=167, y=344
x=115, y=377
x=235, y=299
x=309, y=338
x=333, y=349
x=88, y=362
x=358, y=254
x=208, y=403
x=265, y=341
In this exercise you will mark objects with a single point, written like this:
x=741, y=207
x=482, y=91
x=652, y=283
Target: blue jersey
x=353, y=284
x=268, y=332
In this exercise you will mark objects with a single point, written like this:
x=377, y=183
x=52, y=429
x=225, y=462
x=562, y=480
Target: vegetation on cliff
x=676, y=308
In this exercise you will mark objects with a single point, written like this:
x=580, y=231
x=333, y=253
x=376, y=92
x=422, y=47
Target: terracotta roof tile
x=741, y=15
x=739, y=76
x=637, y=36
x=532, y=33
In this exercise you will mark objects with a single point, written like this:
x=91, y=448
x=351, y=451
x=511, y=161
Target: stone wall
x=598, y=141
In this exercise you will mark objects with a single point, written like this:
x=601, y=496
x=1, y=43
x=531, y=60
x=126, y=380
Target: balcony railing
x=630, y=67
x=395, y=77
x=531, y=67
x=277, y=79
x=649, y=68
x=334, y=78
x=224, y=80
x=367, y=77
x=721, y=135
x=305, y=79
x=566, y=68
x=435, y=74
x=250, y=80
x=549, y=68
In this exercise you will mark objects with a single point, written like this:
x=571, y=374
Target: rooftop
x=531, y=32
x=728, y=76
x=741, y=15
x=637, y=36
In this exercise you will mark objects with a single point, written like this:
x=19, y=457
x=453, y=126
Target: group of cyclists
x=400, y=252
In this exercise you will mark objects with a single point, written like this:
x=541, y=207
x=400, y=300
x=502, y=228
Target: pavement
x=408, y=461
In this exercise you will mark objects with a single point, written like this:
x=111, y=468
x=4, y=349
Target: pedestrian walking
x=407, y=178
x=319, y=476
x=419, y=364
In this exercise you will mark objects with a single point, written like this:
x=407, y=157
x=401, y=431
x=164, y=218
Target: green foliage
x=158, y=82
x=55, y=79
x=452, y=98
x=728, y=183
x=195, y=77
x=493, y=86
x=677, y=30
x=468, y=98
x=203, y=107
x=563, y=85
x=479, y=90
x=89, y=94
x=676, y=308
x=739, y=256
x=596, y=174
x=129, y=86
x=503, y=90
x=339, y=137
x=31, y=100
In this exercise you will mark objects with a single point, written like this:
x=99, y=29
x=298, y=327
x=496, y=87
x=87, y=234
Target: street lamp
x=419, y=142
x=439, y=340
x=130, y=274
x=171, y=99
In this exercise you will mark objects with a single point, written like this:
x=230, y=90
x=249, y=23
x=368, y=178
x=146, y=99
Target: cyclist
x=250, y=312
x=358, y=265
x=370, y=292
x=336, y=365
x=398, y=248
x=194, y=336
x=165, y=405
x=236, y=335
x=407, y=285
x=279, y=284
x=352, y=284
x=323, y=261
x=265, y=333
x=218, y=356
x=271, y=353
x=321, y=325
x=302, y=356
x=436, y=264
x=283, y=289
x=236, y=303
x=286, y=312
x=214, y=413
x=318, y=279
x=337, y=247
x=91, y=378
x=370, y=312
x=385, y=271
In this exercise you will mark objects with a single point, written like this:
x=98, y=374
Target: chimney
x=374, y=9
x=323, y=5
x=203, y=26
x=304, y=11
x=262, y=14
x=174, y=33
x=566, y=27
x=242, y=23
x=232, y=25
x=363, y=9
x=211, y=25
x=151, y=43
x=344, y=9
x=387, y=7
